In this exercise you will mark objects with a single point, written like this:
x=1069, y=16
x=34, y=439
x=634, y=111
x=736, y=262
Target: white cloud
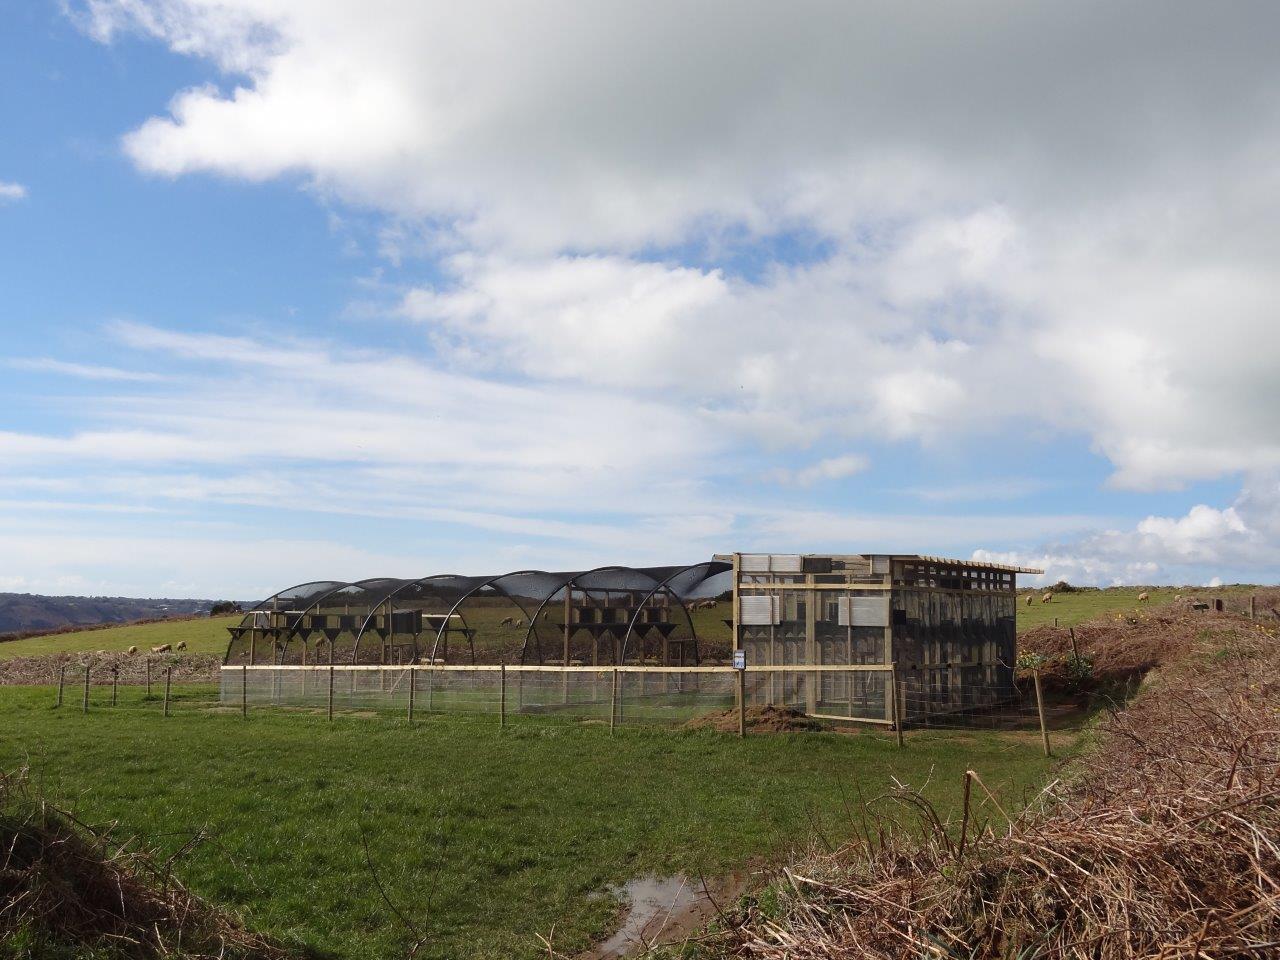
x=12, y=191
x=832, y=468
x=84, y=371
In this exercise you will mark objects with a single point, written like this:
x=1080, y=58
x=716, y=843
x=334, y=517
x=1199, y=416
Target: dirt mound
x=132, y=668
x=766, y=719
x=1162, y=841
x=1123, y=647
x=69, y=890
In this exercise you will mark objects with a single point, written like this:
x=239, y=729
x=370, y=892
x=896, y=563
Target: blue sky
x=295, y=291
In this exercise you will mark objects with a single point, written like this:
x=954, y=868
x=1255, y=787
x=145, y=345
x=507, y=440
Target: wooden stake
x=330, y=691
x=115, y=682
x=62, y=677
x=898, y=695
x=148, y=659
x=86, y=687
x=613, y=701
x=1044, y=729
x=502, y=696
x=1074, y=651
x=742, y=703
x=412, y=683
x=244, y=691
x=1253, y=608
x=168, y=681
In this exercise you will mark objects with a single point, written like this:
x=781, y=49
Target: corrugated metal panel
x=785, y=562
x=842, y=612
x=754, y=563
x=869, y=611
x=879, y=565
x=758, y=611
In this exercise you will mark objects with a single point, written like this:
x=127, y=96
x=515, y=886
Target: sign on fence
x=739, y=659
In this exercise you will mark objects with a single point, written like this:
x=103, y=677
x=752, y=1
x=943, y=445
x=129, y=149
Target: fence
x=628, y=694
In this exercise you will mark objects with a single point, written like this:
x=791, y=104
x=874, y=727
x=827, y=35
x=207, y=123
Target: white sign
x=739, y=659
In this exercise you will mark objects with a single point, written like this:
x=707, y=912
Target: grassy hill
x=203, y=635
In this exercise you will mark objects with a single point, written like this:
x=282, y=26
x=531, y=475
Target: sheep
x=1047, y=598
x=132, y=650
x=546, y=615
x=182, y=645
x=507, y=622
x=1142, y=597
x=162, y=648
x=1029, y=599
x=519, y=623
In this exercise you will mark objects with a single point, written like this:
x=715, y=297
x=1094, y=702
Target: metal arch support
x=391, y=596
x=626, y=637
x=321, y=599
x=444, y=625
x=564, y=585
x=260, y=606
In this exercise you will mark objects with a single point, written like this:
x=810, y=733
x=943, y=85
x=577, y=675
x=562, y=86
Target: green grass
x=1073, y=608
x=483, y=839
x=204, y=635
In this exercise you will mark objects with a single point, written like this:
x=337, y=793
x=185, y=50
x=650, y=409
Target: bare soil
x=131, y=668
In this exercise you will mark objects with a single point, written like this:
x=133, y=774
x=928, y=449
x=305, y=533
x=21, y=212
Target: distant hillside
x=29, y=612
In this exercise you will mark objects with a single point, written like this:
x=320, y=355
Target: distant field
x=1070, y=609
x=205, y=635
x=483, y=839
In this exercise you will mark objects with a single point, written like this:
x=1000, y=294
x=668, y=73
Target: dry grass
x=69, y=890
x=1164, y=843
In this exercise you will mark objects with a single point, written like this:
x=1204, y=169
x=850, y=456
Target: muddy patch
x=661, y=910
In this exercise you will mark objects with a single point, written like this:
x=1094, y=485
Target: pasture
x=202, y=635
x=482, y=839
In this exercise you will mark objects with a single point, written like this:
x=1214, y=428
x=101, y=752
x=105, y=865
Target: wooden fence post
x=412, y=684
x=330, y=691
x=742, y=702
x=244, y=690
x=1044, y=729
x=62, y=677
x=1253, y=607
x=502, y=696
x=148, y=660
x=613, y=701
x=115, y=682
x=168, y=680
x=86, y=686
x=898, y=692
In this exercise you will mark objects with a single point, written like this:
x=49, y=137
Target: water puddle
x=658, y=910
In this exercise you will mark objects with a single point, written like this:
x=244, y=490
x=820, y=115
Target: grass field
x=203, y=635
x=483, y=839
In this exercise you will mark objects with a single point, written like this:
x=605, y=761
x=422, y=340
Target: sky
x=305, y=289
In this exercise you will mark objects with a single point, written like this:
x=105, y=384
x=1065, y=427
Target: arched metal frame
x=656, y=580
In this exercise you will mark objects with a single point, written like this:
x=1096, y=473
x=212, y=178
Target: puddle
x=659, y=910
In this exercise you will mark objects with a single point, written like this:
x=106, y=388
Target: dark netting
x=609, y=615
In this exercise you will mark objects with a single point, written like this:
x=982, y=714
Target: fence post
x=330, y=691
x=613, y=701
x=502, y=696
x=148, y=661
x=898, y=694
x=168, y=680
x=1044, y=730
x=86, y=686
x=412, y=684
x=742, y=702
x=1253, y=607
x=244, y=690
x=115, y=682
x=62, y=677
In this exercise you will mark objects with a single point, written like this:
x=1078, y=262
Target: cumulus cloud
x=1048, y=219
x=12, y=191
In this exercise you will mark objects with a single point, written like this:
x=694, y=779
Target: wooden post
x=331, y=690
x=613, y=701
x=62, y=677
x=742, y=703
x=244, y=691
x=1055, y=621
x=1253, y=607
x=86, y=686
x=168, y=680
x=502, y=696
x=115, y=683
x=898, y=694
x=1075, y=652
x=1044, y=730
x=412, y=684
x=148, y=659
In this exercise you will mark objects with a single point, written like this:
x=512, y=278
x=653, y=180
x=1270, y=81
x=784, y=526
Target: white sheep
x=162, y=648
x=132, y=650
x=1047, y=598
x=1142, y=597
x=182, y=645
